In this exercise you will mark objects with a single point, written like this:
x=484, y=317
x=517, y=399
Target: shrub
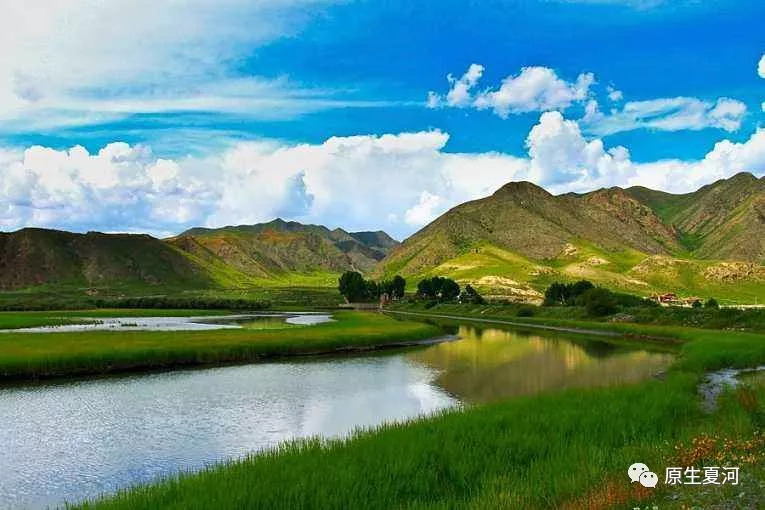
x=438, y=288
x=712, y=303
x=566, y=293
x=526, y=311
x=598, y=302
x=471, y=296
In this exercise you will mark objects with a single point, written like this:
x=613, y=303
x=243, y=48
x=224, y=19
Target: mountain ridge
x=521, y=237
x=512, y=243
x=265, y=250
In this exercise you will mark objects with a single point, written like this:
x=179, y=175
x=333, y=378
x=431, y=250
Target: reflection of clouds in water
x=430, y=398
x=394, y=390
x=103, y=434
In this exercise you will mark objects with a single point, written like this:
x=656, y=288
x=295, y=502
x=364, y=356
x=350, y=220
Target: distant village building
x=670, y=298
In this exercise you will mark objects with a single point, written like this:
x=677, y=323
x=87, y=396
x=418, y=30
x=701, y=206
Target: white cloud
x=459, y=94
x=120, y=186
x=614, y=94
x=666, y=114
x=361, y=182
x=533, y=89
x=563, y=160
x=561, y=156
x=64, y=65
x=761, y=67
x=426, y=210
x=396, y=182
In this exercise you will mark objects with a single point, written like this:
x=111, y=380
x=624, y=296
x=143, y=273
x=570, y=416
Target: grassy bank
x=646, y=316
x=26, y=356
x=563, y=450
x=276, y=295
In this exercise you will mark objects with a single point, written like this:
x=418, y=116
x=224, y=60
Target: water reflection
x=488, y=364
x=83, y=438
x=76, y=440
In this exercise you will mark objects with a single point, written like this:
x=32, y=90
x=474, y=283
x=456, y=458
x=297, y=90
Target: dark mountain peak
x=743, y=177
x=36, y=256
x=375, y=239
x=521, y=188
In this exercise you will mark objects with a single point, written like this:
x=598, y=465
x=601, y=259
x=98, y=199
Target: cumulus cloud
x=614, y=94
x=397, y=182
x=391, y=181
x=560, y=155
x=119, y=186
x=563, y=160
x=533, y=89
x=425, y=210
x=666, y=114
x=459, y=94
x=761, y=67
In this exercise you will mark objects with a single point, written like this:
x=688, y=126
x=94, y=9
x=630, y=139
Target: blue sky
x=155, y=116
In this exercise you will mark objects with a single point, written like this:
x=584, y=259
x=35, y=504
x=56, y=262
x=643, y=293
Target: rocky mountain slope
x=518, y=239
x=278, y=247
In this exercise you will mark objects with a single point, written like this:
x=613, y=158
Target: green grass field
x=568, y=449
x=25, y=356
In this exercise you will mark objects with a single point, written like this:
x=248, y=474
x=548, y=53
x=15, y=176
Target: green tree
x=450, y=289
x=372, y=289
x=438, y=288
x=556, y=294
x=712, y=303
x=427, y=289
x=598, y=302
x=398, y=287
x=566, y=293
x=579, y=288
x=352, y=286
x=471, y=296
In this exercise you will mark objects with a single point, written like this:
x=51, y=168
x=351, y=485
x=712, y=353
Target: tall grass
x=563, y=450
x=532, y=452
x=40, y=355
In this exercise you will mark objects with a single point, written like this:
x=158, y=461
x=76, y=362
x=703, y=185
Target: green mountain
x=278, y=248
x=230, y=257
x=34, y=257
x=723, y=220
x=518, y=240
x=511, y=244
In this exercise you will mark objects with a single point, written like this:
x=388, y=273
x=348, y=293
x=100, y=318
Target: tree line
x=354, y=288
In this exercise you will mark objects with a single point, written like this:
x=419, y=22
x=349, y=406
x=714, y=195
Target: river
x=70, y=440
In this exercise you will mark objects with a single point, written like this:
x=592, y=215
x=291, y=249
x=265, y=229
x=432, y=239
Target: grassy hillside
x=515, y=242
x=39, y=257
x=509, y=245
x=723, y=220
x=282, y=262
x=279, y=248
